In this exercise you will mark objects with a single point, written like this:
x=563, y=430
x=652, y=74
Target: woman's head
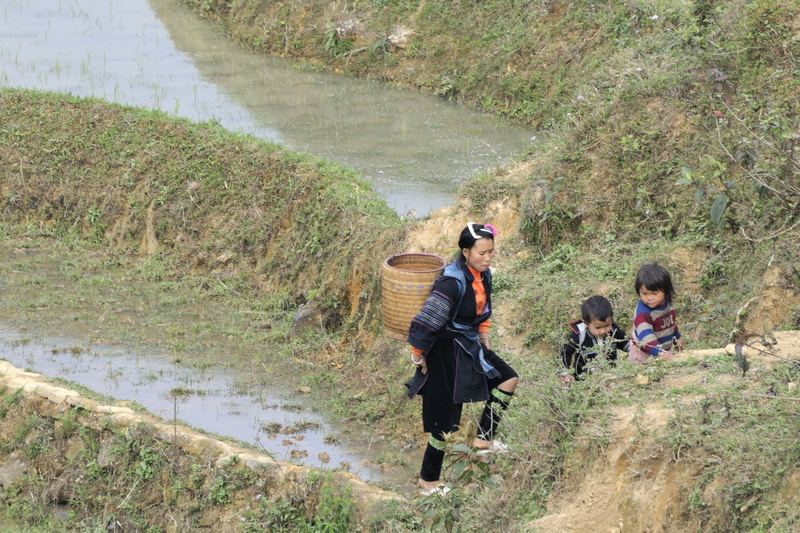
x=652, y=279
x=477, y=245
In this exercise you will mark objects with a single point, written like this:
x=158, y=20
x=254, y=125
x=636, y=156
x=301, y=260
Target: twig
x=767, y=396
x=769, y=352
x=135, y=483
x=369, y=447
x=351, y=52
x=776, y=234
x=226, y=287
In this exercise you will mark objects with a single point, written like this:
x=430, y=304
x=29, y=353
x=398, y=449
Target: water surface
x=415, y=150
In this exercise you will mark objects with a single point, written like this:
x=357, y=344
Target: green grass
x=636, y=167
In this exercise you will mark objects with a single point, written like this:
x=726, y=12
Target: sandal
x=439, y=490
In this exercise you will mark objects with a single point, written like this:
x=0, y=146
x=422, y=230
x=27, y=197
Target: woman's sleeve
x=433, y=316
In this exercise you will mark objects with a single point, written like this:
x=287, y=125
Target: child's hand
x=678, y=345
x=665, y=355
x=566, y=379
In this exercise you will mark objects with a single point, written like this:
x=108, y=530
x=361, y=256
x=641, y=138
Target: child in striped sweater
x=655, y=328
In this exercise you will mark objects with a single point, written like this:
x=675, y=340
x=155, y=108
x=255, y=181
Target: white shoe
x=439, y=490
x=494, y=447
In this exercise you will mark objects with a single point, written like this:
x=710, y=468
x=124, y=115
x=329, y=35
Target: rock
x=310, y=316
x=401, y=37
x=642, y=380
x=306, y=318
x=349, y=28
x=13, y=469
x=224, y=258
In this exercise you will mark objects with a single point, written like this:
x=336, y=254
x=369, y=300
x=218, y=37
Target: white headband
x=486, y=228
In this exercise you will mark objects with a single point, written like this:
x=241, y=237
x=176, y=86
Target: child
x=655, y=329
x=595, y=334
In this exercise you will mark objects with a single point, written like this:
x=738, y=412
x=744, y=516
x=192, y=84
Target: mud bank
x=112, y=464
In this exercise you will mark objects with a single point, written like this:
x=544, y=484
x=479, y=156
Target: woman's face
x=479, y=257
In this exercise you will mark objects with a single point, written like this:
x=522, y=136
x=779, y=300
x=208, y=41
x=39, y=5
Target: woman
x=449, y=341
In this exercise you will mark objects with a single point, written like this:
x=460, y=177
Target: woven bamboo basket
x=406, y=281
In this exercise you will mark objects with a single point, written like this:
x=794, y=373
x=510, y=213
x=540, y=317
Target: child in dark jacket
x=594, y=335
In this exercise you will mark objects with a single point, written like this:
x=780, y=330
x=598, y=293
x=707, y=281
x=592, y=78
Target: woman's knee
x=509, y=385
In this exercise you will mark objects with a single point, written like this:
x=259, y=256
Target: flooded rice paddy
x=181, y=357
x=415, y=150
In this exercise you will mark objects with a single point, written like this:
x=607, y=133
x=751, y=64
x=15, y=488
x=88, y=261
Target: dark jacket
x=582, y=347
x=446, y=330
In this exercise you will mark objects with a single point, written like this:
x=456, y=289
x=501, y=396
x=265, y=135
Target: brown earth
x=635, y=483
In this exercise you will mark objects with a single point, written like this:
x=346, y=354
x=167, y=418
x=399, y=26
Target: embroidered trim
x=435, y=312
x=436, y=443
x=502, y=396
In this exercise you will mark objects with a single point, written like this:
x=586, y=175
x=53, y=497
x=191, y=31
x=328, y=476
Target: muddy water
x=415, y=150
x=217, y=400
x=124, y=348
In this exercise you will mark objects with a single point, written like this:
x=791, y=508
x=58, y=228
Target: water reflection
x=415, y=150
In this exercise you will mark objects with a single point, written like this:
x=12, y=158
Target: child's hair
x=596, y=308
x=655, y=277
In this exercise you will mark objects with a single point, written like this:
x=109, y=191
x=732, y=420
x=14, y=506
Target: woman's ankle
x=427, y=485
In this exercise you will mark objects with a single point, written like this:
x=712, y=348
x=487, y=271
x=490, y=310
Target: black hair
x=655, y=278
x=468, y=235
x=596, y=308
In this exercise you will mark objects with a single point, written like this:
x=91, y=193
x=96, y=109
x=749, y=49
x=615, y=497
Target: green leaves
x=718, y=208
x=701, y=191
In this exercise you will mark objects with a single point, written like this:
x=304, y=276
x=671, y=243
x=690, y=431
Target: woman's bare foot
x=481, y=444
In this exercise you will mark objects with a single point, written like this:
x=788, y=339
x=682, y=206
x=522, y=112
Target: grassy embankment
x=670, y=124
x=673, y=138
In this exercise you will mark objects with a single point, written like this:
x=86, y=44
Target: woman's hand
x=421, y=362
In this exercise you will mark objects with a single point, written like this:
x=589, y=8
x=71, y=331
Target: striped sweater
x=654, y=328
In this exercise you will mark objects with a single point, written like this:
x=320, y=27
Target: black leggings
x=433, y=459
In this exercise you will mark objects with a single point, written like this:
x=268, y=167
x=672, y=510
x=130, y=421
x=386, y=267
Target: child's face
x=651, y=298
x=599, y=328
